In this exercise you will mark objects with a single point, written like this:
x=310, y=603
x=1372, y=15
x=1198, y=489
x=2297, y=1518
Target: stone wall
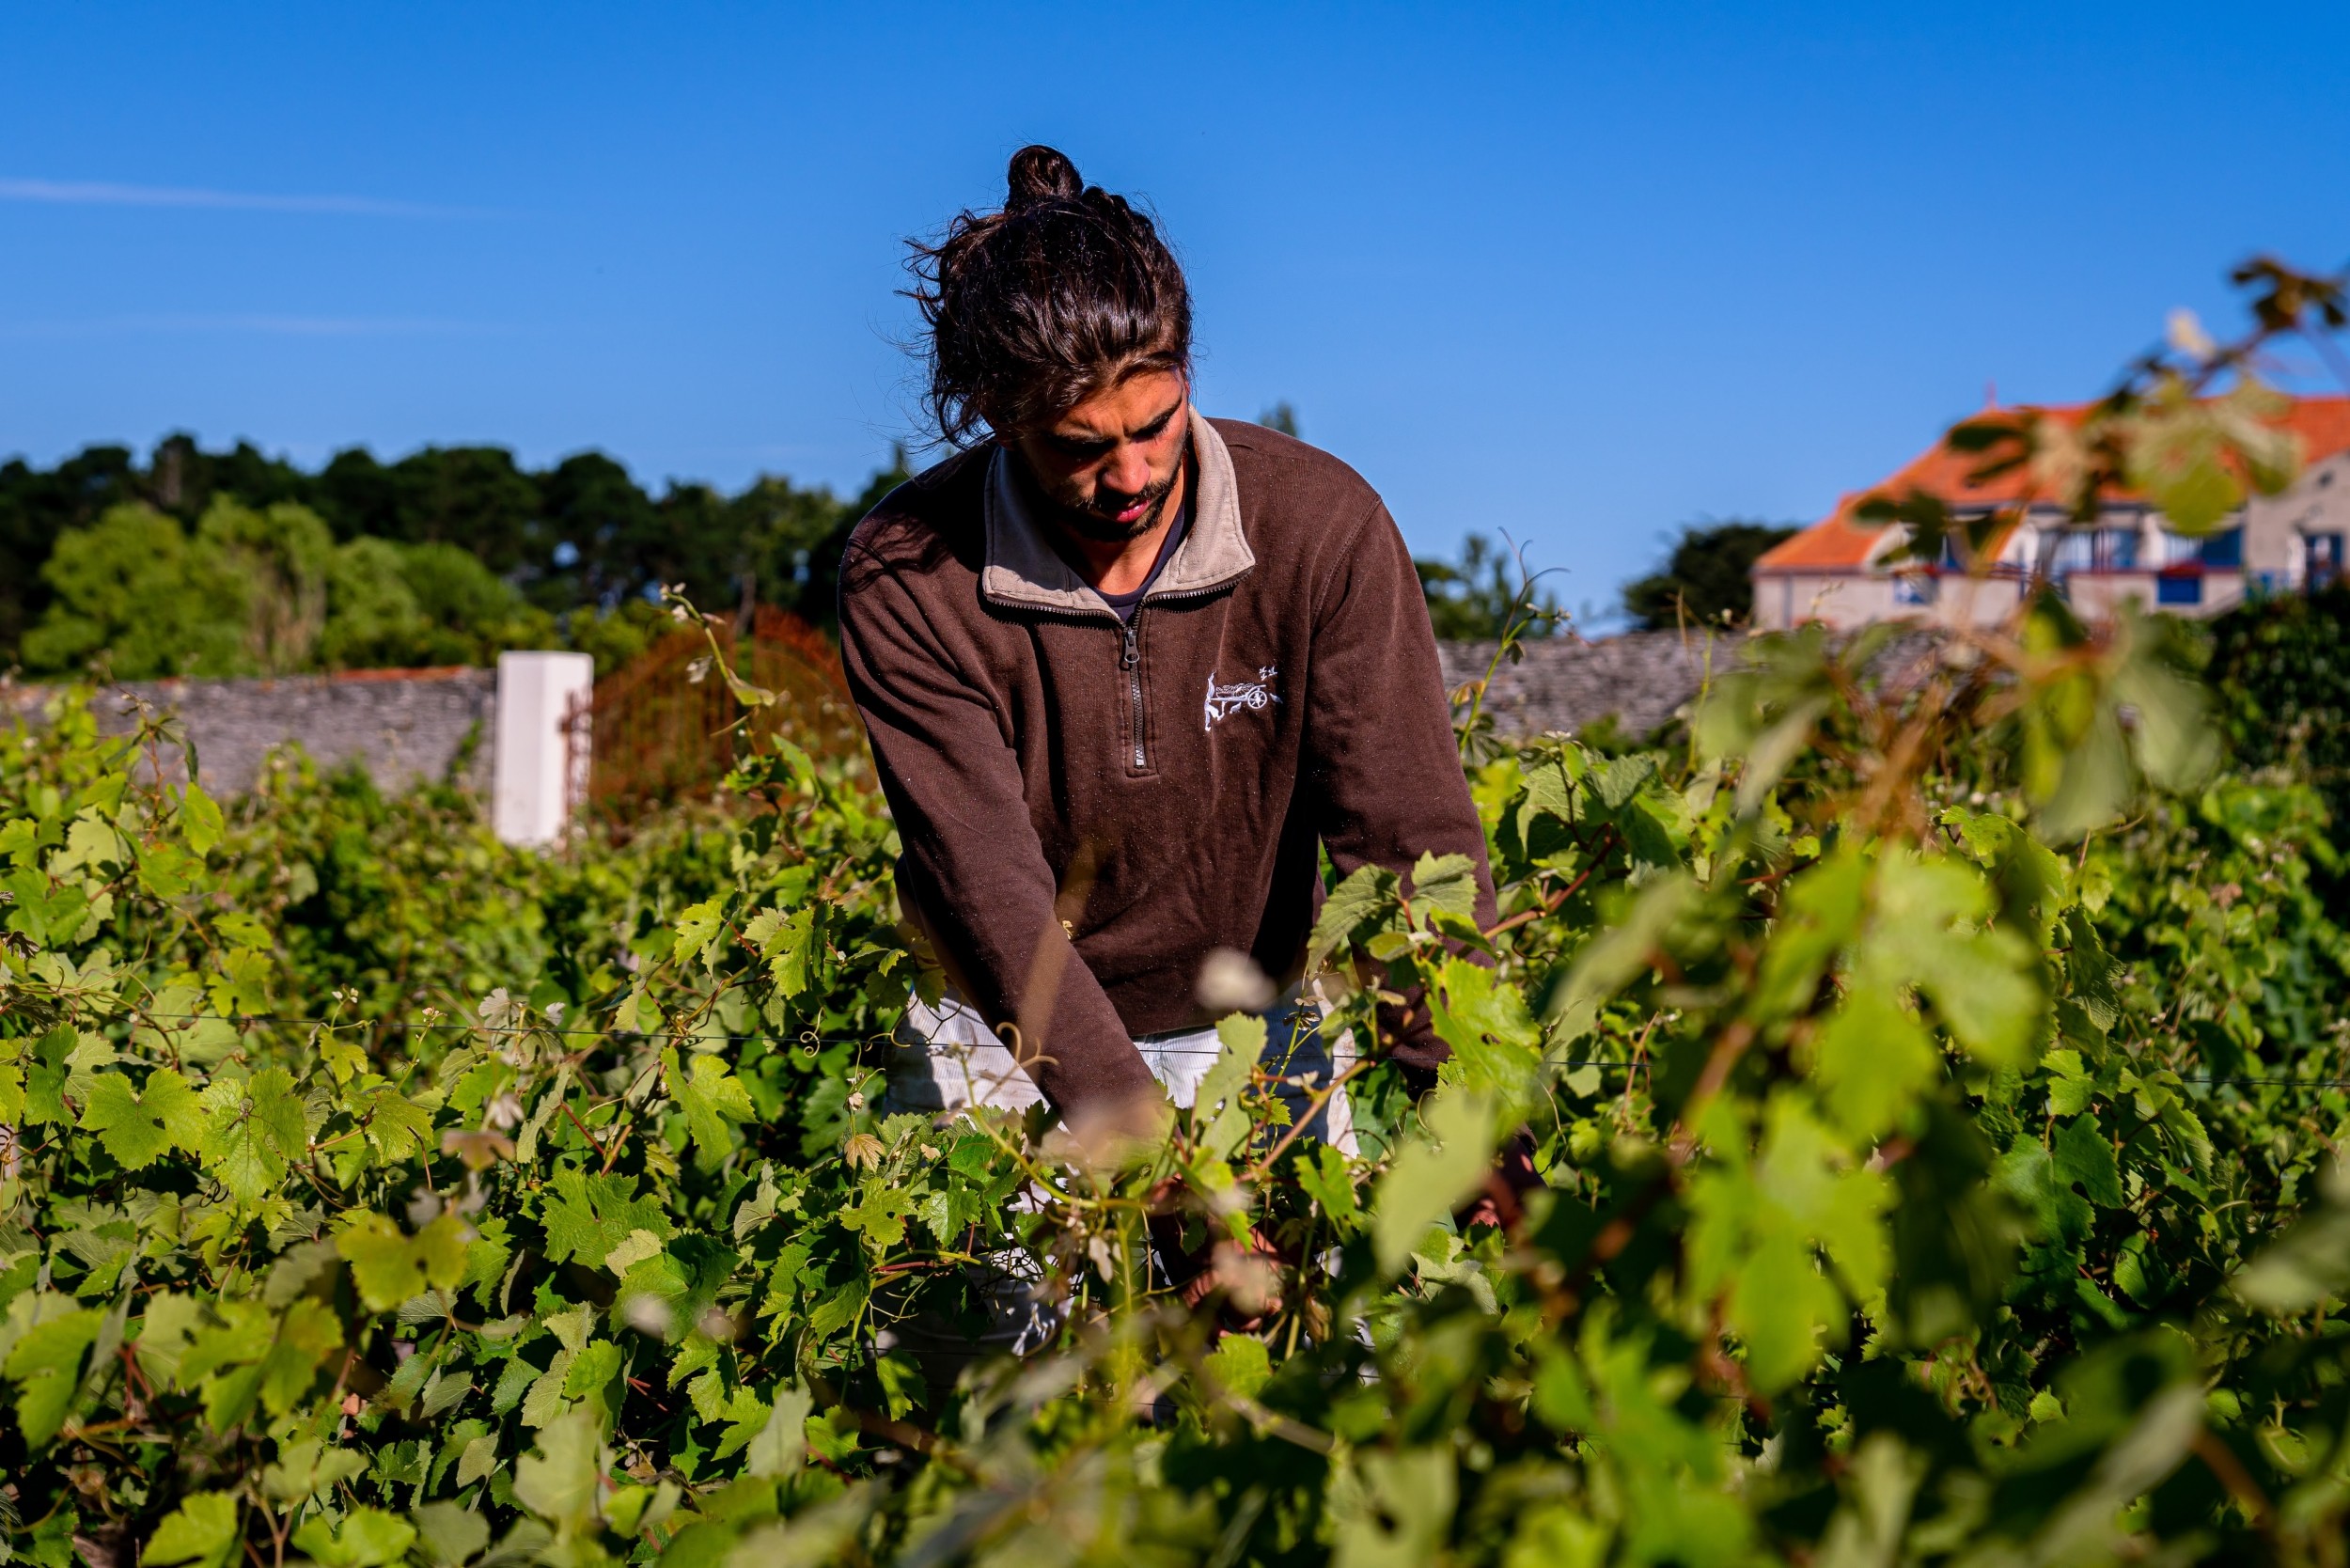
x=405, y=725
x=408, y=725
x=1564, y=683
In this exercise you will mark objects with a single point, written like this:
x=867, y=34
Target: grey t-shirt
x=1126, y=604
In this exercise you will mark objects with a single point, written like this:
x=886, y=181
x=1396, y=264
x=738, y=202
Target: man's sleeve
x=981, y=876
x=1379, y=745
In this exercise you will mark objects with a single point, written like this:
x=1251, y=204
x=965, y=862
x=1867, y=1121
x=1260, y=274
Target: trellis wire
x=2212, y=1080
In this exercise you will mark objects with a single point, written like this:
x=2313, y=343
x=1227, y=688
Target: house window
x=2321, y=560
x=2075, y=551
x=2117, y=548
x=2223, y=549
x=2175, y=549
x=2186, y=587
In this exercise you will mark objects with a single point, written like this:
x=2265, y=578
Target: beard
x=1088, y=523
x=1091, y=523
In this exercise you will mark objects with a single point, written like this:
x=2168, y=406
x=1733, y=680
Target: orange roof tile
x=1835, y=541
x=1840, y=542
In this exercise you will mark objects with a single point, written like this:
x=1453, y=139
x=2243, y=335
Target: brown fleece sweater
x=1087, y=809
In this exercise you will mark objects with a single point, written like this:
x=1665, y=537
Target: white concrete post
x=539, y=766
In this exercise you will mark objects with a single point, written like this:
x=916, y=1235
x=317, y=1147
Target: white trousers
x=948, y=1060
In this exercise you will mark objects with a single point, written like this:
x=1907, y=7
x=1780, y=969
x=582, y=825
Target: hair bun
x=1041, y=174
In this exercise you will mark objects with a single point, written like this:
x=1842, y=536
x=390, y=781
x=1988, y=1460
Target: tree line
x=238, y=563
x=195, y=562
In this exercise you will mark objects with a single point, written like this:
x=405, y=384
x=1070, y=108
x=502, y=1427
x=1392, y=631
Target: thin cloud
x=280, y=326
x=82, y=192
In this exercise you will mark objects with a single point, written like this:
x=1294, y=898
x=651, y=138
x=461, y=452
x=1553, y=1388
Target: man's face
x=1109, y=463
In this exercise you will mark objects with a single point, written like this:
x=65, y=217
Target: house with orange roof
x=1848, y=570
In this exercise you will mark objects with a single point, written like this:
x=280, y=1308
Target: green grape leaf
x=1432, y=1175
x=202, y=1531
x=879, y=1214
x=1240, y=1364
x=1931, y=929
x=1217, y=1113
x=240, y=985
x=255, y=1129
x=1358, y=908
x=138, y=1128
x=396, y=1123
x=701, y=930
x=2084, y=1158
x=1445, y=881
x=363, y=1538
x=389, y=1266
x=306, y=1467
x=559, y=1480
x=587, y=1217
x=595, y=1364
x=2095, y=977
x=713, y=1100
x=1497, y=1047
x=46, y=1365
x=1781, y=1303
x=45, y=1080
x=200, y=820
x=308, y=1334
x=780, y=1445
x=789, y=942
x=1873, y=1059
x=1323, y=1176
x=451, y=1533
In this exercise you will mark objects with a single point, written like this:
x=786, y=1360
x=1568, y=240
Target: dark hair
x=1066, y=290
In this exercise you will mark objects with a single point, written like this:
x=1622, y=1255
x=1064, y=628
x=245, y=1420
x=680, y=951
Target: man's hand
x=1249, y=1277
x=1502, y=1202
x=1249, y=1280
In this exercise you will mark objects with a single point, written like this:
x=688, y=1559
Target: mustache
x=1096, y=523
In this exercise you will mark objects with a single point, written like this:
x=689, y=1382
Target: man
x=1128, y=673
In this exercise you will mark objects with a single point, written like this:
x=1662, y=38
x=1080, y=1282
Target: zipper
x=1130, y=647
x=1130, y=660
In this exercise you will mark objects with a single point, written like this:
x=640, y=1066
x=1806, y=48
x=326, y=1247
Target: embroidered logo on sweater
x=1226, y=700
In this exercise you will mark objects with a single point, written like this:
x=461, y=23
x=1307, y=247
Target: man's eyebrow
x=1160, y=423
x=1095, y=438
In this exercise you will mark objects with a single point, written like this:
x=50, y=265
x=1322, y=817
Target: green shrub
x=2282, y=664
x=135, y=586
x=377, y=1192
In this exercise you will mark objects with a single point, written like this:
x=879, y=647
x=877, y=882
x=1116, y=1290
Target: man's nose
x=1128, y=469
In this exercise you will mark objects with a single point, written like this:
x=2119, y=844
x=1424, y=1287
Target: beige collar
x=1024, y=569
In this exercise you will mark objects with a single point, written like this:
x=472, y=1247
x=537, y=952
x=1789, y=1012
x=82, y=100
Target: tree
x=818, y=602
x=466, y=553
x=36, y=506
x=1471, y=601
x=419, y=605
x=2281, y=664
x=279, y=555
x=1705, y=577
x=598, y=523
x=135, y=588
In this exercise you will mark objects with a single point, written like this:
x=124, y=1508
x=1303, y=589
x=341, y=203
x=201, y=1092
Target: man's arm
x=954, y=788
x=1379, y=745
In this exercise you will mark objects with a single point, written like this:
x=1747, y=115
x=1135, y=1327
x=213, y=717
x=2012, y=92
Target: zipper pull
x=1132, y=654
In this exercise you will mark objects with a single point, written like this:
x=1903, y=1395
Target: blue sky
x=1580, y=273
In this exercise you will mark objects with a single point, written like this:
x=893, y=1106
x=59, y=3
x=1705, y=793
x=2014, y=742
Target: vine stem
x=2229, y=1470
x=1552, y=904
x=1313, y=1108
